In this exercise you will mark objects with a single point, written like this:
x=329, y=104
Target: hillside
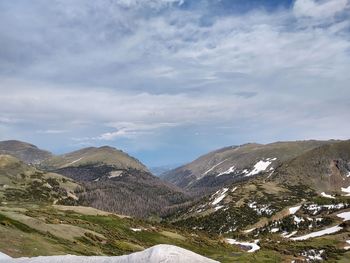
x=21, y=182
x=232, y=164
x=116, y=182
x=33, y=229
x=26, y=152
x=305, y=200
x=324, y=169
x=104, y=155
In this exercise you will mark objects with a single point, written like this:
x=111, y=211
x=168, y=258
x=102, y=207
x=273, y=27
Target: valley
x=280, y=202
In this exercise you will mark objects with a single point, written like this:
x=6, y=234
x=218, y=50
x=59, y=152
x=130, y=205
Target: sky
x=169, y=80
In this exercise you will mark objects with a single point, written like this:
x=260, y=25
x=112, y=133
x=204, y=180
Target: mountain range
x=277, y=202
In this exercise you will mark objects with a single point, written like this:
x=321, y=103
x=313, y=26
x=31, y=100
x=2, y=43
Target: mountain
x=155, y=254
x=103, y=155
x=116, y=182
x=26, y=152
x=236, y=163
x=301, y=207
x=21, y=182
x=324, y=169
x=159, y=170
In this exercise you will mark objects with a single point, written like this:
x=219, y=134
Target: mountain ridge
x=24, y=151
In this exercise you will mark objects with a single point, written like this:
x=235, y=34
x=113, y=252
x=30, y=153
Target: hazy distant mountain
x=159, y=170
x=26, y=152
x=231, y=164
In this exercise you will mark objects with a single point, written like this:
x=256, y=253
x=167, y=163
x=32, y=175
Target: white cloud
x=108, y=70
x=149, y=3
x=319, y=9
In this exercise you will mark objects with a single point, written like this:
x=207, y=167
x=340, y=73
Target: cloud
x=150, y=3
x=132, y=130
x=51, y=131
x=129, y=71
x=319, y=9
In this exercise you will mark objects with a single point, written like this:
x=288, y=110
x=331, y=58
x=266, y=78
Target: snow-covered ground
x=320, y=233
x=314, y=208
x=221, y=195
x=249, y=230
x=260, y=209
x=253, y=246
x=293, y=210
x=213, y=167
x=75, y=161
x=114, y=174
x=347, y=247
x=228, y=171
x=327, y=195
x=136, y=229
x=4, y=256
x=288, y=235
x=261, y=166
x=345, y=216
x=346, y=190
x=156, y=254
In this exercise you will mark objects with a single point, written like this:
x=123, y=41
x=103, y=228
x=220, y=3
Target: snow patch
x=323, y=232
x=260, y=209
x=347, y=247
x=261, y=166
x=4, y=256
x=230, y=170
x=220, y=197
x=327, y=196
x=298, y=219
x=249, y=230
x=213, y=167
x=314, y=208
x=253, y=246
x=293, y=210
x=286, y=235
x=345, y=216
x=346, y=190
x=114, y=174
x=313, y=255
x=75, y=161
x=156, y=254
x=136, y=229
x=218, y=207
x=274, y=230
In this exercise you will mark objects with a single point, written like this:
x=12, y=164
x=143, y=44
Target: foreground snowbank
x=156, y=254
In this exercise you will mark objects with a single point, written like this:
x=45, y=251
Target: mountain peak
x=24, y=151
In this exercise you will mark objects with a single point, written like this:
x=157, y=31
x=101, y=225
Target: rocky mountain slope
x=116, y=182
x=232, y=164
x=26, y=152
